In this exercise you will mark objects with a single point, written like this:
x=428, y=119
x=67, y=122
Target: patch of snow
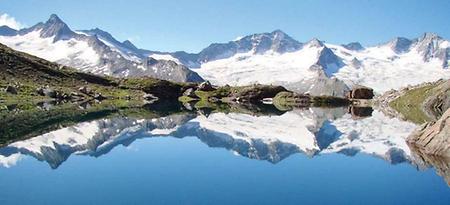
x=269, y=68
x=60, y=51
x=166, y=57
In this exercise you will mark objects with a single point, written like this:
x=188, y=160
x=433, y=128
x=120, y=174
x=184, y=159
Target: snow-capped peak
x=315, y=43
x=400, y=44
x=54, y=27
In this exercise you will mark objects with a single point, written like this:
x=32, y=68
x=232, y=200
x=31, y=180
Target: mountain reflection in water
x=311, y=131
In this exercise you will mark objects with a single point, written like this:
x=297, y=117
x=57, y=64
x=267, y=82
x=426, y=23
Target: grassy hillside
x=424, y=103
x=27, y=73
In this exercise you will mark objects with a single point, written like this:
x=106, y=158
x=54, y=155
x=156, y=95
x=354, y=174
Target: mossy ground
x=410, y=104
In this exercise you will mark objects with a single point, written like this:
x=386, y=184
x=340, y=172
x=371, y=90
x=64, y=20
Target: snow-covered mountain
x=272, y=138
x=94, y=51
x=318, y=67
x=268, y=58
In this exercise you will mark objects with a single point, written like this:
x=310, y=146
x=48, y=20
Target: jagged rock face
x=436, y=104
x=354, y=46
x=329, y=61
x=400, y=44
x=276, y=41
x=428, y=46
x=57, y=28
x=169, y=70
x=433, y=138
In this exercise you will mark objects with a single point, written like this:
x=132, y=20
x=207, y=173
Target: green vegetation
x=424, y=103
x=288, y=100
x=410, y=104
x=26, y=120
x=329, y=101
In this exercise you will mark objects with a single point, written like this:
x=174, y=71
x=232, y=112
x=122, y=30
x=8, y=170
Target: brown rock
x=360, y=92
x=433, y=138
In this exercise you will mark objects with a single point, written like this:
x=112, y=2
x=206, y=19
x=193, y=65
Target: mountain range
x=314, y=67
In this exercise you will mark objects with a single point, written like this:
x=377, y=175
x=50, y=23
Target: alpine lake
x=167, y=153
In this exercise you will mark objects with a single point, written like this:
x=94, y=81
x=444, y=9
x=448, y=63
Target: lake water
x=308, y=156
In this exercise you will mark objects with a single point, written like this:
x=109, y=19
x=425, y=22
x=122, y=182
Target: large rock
x=360, y=112
x=205, y=86
x=360, y=92
x=46, y=91
x=433, y=138
x=190, y=93
x=11, y=89
x=256, y=93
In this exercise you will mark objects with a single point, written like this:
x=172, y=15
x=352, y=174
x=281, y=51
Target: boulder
x=11, y=89
x=434, y=137
x=256, y=93
x=360, y=92
x=190, y=93
x=360, y=112
x=205, y=86
x=46, y=91
x=85, y=90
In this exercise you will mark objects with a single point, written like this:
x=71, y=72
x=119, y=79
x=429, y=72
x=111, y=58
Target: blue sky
x=193, y=24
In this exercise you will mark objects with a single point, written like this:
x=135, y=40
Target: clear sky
x=191, y=25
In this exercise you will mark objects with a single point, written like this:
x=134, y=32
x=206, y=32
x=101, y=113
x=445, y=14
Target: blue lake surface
x=181, y=166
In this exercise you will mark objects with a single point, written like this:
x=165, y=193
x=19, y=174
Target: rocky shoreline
x=433, y=136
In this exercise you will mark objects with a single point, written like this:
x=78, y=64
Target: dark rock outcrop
x=360, y=92
x=354, y=46
x=360, y=112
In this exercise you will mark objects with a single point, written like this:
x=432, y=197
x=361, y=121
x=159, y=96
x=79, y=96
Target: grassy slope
x=29, y=73
x=410, y=104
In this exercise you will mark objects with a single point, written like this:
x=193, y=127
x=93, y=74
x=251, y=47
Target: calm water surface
x=311, y=156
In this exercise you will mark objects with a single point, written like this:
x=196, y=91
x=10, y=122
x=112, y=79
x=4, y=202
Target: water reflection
x=310, y=131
